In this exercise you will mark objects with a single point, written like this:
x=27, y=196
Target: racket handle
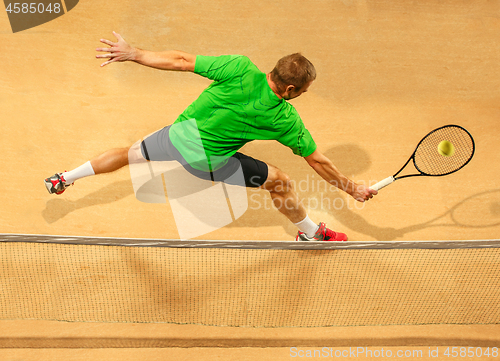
x=383, y=183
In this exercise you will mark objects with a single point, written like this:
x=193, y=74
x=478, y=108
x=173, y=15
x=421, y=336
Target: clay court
x=388, y=73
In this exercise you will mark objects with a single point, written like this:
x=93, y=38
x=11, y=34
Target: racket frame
x=385, y=182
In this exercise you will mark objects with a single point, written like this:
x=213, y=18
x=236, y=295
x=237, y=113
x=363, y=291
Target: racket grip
x=383, y=183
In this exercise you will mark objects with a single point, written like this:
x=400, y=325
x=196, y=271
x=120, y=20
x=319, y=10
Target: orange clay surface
x=388, y=72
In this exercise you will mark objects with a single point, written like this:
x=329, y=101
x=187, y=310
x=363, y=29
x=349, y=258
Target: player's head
x=293, y=74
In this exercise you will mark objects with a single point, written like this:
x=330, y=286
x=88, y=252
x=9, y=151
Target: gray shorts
x=158, y=147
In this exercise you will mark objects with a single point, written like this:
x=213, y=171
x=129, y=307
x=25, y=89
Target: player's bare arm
x=327, y=170
x=165, y=60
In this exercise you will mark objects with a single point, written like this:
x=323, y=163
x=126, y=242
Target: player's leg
x=152, y=148
x=287, y=201
x=283, y=195
x=107, y=162
x=110, y=161
x=261, y=175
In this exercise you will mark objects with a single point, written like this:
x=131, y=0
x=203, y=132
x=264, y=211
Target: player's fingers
x=368, y=195
x=104, y=49
x=108, y=62
x=105, y=41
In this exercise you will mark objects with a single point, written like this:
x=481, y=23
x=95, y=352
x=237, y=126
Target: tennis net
x=249, y=283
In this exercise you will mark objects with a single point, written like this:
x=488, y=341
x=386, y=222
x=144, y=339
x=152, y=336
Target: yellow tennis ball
x=446, y=148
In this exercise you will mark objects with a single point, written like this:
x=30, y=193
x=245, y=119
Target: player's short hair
x=293, y=69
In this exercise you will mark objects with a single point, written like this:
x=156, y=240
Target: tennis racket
x=429, y=162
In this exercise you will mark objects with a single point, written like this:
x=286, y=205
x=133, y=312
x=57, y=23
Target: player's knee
x=124, y=153
x=282, y=182
x=287, y=182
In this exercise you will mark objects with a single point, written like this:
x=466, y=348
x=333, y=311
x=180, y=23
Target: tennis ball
x=446, y=148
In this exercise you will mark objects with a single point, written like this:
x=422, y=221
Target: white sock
x=307, y=226
x=82, y=171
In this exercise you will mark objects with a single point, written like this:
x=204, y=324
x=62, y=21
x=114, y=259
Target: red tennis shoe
x=322, y=234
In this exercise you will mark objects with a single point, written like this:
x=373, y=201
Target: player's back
x=239, y=106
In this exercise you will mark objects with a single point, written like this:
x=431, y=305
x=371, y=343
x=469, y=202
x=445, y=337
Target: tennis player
x=241, y=104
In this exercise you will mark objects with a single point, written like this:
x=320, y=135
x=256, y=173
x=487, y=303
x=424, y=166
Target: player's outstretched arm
x=165, y=60
x=327, y=170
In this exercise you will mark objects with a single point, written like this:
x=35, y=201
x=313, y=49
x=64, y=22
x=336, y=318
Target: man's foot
x=322, y=234
x=56, y=184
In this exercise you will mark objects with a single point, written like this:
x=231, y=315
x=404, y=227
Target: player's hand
x=362, y=193
x=119, y=51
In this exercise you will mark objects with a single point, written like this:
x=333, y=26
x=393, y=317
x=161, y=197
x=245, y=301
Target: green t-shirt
x=238, y=107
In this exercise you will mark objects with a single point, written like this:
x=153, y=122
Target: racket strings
x=428, y=160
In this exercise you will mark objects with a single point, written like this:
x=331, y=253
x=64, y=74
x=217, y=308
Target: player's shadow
x=480, y=210
x=58, y=208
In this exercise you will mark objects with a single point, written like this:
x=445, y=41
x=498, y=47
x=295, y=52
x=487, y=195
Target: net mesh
x=428, y=160
x=249, y=287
